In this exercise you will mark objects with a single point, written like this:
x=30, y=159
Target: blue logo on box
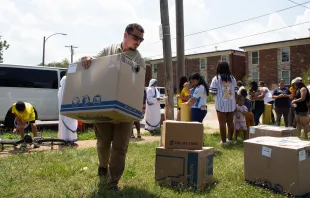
x=85, y=100
x=97, y=100
x=76, y=101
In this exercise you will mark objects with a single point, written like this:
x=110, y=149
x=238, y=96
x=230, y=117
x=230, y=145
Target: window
x=255, y=57
x=285, y=75
x=203, y=63
x=285, y=54
x=225, y=58
x=28, y=78
x=155, y=68
x=162, y=91
x=255, y=76
x=62, y=73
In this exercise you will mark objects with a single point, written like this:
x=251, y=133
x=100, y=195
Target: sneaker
x=224, y=144
x=229, y=141
x=102, y=171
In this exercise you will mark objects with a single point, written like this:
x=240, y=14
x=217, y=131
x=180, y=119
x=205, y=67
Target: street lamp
x=44, y=41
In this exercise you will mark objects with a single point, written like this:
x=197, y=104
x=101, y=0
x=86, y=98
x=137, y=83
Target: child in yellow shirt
x=25, y=112
x=183, y=96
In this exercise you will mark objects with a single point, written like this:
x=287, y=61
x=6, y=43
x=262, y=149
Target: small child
x=239, y=118
x=249, y=117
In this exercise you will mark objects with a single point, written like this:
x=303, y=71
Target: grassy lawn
x=90, y=135
x=64, y=174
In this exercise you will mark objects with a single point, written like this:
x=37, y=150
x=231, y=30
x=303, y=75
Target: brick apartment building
x=271, y=62
x=204, y=63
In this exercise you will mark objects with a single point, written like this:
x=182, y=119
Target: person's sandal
x=139, y=136
x=132, y=136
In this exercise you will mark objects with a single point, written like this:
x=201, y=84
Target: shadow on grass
x=136, y=139
x=156, y=133
x=124, y=192
x=184, y=189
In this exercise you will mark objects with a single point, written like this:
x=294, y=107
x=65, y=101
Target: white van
x=162, y=94
x=37, y=85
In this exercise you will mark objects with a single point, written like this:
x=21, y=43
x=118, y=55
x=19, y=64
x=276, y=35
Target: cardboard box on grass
x=282, y=163
x=184, y=168
x=182, y=135
x=110, y=90
x=273, y=131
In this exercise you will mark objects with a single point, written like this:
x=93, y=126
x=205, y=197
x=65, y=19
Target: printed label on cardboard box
x=252, y=130
x=302, y=155
x=172, y=142
x=72, y=68
x=266, y=151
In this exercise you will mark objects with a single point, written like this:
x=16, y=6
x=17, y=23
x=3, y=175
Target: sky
x=94, y=24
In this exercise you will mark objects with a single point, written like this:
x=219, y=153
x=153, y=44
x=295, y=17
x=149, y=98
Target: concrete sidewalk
x=210, y=120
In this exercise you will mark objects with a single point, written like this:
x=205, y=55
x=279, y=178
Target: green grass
x=90, y=135
x=61, y=174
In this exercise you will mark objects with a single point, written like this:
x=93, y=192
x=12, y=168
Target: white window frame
x=155, y=72
x=205, y=66
x=227, y=58
x=289, y=54
x=257, y=76
x=289, y=76
x=257, y=58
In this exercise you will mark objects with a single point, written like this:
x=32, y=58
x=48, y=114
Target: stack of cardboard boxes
x=276, y=160
x=281, y=164
x=182, y=160
x=273, y=131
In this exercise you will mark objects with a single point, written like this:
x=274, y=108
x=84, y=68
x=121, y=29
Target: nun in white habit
x=67, y=127
x=152, y=112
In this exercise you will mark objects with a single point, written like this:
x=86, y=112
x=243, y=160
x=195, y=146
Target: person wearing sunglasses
x=112, y=158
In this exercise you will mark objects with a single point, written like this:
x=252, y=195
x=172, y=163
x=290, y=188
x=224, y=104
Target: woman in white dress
x=67, y=127
x=152, y=112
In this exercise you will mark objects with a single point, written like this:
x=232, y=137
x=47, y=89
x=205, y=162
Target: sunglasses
x=136, y=38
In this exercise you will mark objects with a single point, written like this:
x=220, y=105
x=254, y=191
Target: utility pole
x=72, y=51
x=180, y=69
x=164, y=13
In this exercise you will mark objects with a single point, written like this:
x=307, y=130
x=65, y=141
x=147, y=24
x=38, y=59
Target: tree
x=3, y=46
x=305, y=75
x=147, y=59
x=63, y=64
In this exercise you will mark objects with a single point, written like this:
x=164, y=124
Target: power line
x=238, y=22
x=299, y=4
x=241, y=37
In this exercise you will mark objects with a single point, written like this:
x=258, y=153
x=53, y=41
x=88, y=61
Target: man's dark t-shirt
x=282, y=102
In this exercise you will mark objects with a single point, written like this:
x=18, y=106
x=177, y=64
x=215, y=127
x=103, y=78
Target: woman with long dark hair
x=183, y=96
x=198, y=98
x=224, y=86
x=301, y=99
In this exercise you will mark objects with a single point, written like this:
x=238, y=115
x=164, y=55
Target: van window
x=28, y=78
x=62, y=73
x=162, y=91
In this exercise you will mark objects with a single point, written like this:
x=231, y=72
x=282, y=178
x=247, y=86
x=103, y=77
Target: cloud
x=94, y=24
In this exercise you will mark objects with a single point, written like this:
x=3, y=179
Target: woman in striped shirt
x=224, y=86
